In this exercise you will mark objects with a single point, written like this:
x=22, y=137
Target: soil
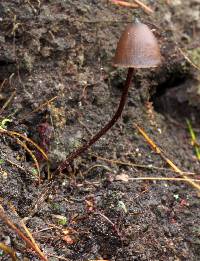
x=58, y=88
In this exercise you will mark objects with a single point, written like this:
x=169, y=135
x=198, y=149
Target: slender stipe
x=116, y=116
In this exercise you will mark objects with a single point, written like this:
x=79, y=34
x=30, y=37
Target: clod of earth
x=137, y=48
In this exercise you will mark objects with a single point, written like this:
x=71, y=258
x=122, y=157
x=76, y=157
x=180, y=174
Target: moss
x=27, y=62
x=195, y=56
x=55, y=206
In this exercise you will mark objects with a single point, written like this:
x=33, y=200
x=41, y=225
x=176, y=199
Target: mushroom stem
x=116, y=116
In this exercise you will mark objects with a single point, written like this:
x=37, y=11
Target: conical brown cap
x=137, y=48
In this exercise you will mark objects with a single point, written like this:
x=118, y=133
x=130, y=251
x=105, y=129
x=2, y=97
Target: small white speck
x=159, y=130
x=176, y=196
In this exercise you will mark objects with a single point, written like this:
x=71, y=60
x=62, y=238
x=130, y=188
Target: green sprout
x=62, y=221
x=1, y=161
x=193, y=139
x=34, y=171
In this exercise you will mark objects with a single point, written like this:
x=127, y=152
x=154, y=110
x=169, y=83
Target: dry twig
x=188, y=59
x=135, y=165
x=124, y=3
x=144, y=7
x=11, y=225
x=162, y=154
x=14, y=133
x=12, y=207
x=39, y=108
x=7, y=102
x=137, y=4
x=8, y=250
x=23, y=145
x=126, y=178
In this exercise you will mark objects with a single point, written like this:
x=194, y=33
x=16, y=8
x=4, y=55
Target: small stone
x=45, y=51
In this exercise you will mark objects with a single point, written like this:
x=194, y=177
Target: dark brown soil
x=64, y=49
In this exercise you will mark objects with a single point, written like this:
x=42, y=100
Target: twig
x=38, y=203
x=109, y=221
x=162, y=154
x=14, y=133
x=23, y=145
x=15, y=164
x=39, y=3
x=39, y=108
x=161, y=179
x=2, y=84
x=62, y=258
x=11, y=225
x=119, y=162
x=12, y=207
x=84, y=125
x=188, y=59
x=8, y=250
x=7, y=102
x=96, y=166
x=144, y=7
x=123, y=3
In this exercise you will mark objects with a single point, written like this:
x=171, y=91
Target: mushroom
x=137, y=48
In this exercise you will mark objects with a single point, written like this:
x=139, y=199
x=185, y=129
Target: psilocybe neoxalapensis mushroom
x=137, y=48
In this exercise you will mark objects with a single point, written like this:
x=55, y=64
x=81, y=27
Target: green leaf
x=1, y=161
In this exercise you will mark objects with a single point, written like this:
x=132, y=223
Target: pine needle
x=162, y=154
x=11, y=225
x=14, y=133
x=8, y=250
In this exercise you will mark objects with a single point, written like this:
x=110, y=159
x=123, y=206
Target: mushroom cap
x=137, y=48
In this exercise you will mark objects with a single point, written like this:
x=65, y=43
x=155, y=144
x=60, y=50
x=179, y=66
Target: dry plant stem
x=8, y=250
x=12, y=207
x=4, y=218
x=162, y=154
x=162, y=179
x=116, y=116
x=123, y=3
x=119, y=162
x=14, y=133
x=39, y=108
x=144, y=7
x=188, y=59
x=7, y=102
